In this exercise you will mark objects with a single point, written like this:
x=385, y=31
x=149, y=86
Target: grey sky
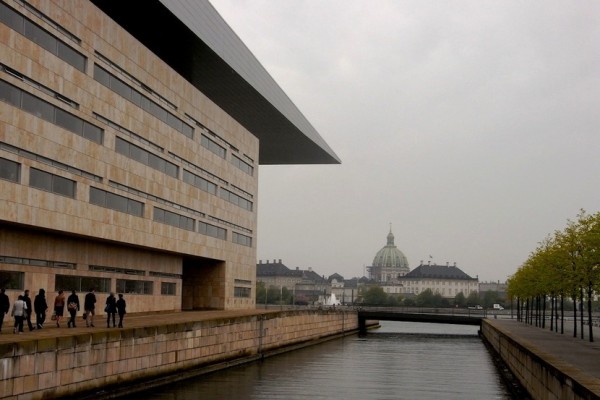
x=470, y=126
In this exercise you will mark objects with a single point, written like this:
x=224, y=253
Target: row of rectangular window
x=127, y=132
x=41, y=37
x=49, y=21
x=124, y=90
x=49, y=112
x=116, y=270
x=135, y=80
x=145, y=157
x=49, y=161
x=116, y=202
x=199, y=182
x=103, y=285
x=36, y=262
x=242, y=292
x=56, y=184
x=219, y=150
x=39, y=86
x=235, y=199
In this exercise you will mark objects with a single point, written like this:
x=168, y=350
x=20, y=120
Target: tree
x=375, y=296
x=260, y=293
x=460, y=300
x=473, y=299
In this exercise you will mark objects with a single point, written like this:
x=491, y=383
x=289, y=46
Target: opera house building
x=131, y=134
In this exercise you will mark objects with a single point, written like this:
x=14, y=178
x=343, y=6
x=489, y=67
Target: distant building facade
x=446, y=280
x=306, y=285
x=389, y=264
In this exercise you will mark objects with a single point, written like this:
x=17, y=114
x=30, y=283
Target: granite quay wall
x=542, y=374
x=96, y=364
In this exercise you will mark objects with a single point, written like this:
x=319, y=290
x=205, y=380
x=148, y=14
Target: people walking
x=121, y=305
x=40, y=306
x=72, y=307
x=59, y=307
x=27, y=316
x=18, y=312
x=89, y=306
x=111, y=309
x=4, y=306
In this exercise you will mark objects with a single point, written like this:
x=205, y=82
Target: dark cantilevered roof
x=194, y=40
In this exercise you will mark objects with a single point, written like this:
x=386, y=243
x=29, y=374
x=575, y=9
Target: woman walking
x=121, y=305
x=72, y=307
x=18, y=311
x=59, y=307
x=111, y=309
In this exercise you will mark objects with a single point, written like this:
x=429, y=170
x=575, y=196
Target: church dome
x=390, y=256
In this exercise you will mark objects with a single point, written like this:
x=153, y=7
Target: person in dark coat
x=111, y=309
x=121, y=305
x=40, y=306
x=72, y=307
x=4, y=306
x=27, y=316
x=89, y=307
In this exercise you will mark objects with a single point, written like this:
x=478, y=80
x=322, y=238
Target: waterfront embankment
x=153, y=349
x=548, y=365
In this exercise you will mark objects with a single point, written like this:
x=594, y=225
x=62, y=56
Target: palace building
x=130, y=139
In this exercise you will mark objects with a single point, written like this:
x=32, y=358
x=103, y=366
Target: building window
x=241, y=239
x=81, y=283
x=168, y=288
x=12, y=280
x=52, y=183
x=213, y=146
x=199, y=182
x=239, y=291
x=211, y=230
x=35, y=262
x=244, y=166
x=116, y=270
x=10, y=170
x=42, y=38
x=235, y=199
x=44, y=110
x=145, y=157
x=171, y=218
x=116, y=202
x=145, y=103
x=134, y=287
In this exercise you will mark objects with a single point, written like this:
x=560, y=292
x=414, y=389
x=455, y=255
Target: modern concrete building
x=130, y=139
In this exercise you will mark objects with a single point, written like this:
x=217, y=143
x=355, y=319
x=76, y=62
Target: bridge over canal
x=440, y=316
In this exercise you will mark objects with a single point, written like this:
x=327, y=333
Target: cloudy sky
x=470, y=126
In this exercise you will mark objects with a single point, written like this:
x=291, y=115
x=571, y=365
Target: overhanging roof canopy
x=194, y=40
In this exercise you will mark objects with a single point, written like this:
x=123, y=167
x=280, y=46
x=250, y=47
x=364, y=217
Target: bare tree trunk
x=544, y=312
x=589, y=304
x=581, y=309
x=552, y=300
x=562, y=315
x=575, y=315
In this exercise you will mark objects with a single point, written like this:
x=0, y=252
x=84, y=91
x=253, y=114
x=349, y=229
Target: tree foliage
x=565, y=266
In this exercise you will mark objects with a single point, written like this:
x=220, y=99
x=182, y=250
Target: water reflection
x=398, y=361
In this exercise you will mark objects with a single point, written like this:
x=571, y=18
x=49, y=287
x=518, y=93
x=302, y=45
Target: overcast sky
x=470, y=126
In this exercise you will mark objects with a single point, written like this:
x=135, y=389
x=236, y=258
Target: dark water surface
x=401, y=360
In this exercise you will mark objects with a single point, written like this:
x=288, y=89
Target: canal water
x=401, y=360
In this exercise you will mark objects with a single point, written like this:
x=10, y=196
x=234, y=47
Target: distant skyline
x=470, y=126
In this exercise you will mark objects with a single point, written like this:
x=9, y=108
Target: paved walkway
x=50, y=329
x=562, y=350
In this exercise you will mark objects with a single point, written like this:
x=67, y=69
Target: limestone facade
x=116, y=172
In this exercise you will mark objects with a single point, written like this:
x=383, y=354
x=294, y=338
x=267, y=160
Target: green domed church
x=389, y=263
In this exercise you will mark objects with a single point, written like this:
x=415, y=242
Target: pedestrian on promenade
x=72, y=307
x=89, y=306
x=40, y=306
x=59, y=307
x=27, y=316
x=4, y=306
x=18, y=311
x=121, y=305
x=111, y=309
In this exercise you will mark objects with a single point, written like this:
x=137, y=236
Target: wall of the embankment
x=536, y=373
x=82, y=365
